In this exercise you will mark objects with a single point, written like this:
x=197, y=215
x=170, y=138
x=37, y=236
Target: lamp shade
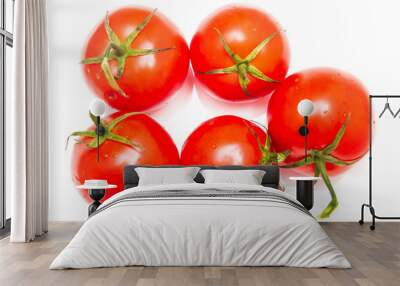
x=97, y=107
x=305, y=107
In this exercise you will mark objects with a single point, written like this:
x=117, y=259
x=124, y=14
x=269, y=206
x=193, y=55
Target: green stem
x=120, y=50
x=268, y=157
x=319, y=158
x=243, y=67
x=334, y=203
x=108, y=132
x=87, y=133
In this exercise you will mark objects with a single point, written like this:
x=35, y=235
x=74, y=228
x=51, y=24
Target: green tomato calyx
x=118, y=50
x=106, y=132
x=243, y=67
x=319, y=158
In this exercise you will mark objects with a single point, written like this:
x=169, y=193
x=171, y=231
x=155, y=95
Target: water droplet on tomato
x=111, y=95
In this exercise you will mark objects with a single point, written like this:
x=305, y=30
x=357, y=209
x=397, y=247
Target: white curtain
x=27, y=123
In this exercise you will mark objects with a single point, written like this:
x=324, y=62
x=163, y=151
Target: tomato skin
x=147, y=80
x=156, y=147
x=223, y=140
x=243, y=28
x=335, y=94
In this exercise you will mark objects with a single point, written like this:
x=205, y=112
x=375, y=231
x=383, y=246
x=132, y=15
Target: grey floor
x=375, y=257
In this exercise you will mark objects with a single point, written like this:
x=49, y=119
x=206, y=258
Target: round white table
x=96, y=193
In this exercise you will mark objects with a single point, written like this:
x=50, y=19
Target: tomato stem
x=268, y=157
x=334, y=203
x=107, y=134
x=119, y=51
x=243, y=67
x=319, y=159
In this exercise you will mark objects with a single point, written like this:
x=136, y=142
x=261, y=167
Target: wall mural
x=136, y=59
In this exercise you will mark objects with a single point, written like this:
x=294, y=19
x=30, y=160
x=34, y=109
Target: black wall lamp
x=97, y=108
x=305, y=108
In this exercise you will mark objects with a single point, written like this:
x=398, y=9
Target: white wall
x=360, y=36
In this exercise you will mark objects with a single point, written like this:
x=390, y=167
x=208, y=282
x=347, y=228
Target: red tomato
x=223, y=140
x=153, y=146
x=243, y=29
x=335, y=94
x=156, y=61
x=338, y=126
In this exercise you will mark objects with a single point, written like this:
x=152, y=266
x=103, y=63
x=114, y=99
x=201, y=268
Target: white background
x=359, y=36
